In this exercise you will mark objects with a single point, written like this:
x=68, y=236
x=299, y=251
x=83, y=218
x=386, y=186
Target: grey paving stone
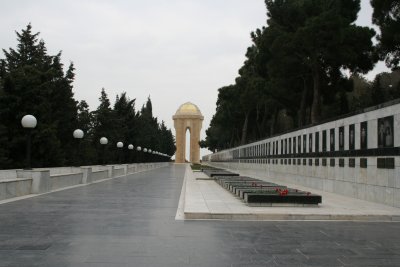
x=130, y=222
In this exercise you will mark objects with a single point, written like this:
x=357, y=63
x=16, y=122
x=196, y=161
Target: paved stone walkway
x=130, y=222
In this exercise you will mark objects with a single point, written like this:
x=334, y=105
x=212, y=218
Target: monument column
x=194, y=142
x=180, y=141
x=188, y=116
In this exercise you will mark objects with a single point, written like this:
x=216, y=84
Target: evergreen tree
x=387, y=17
x=326, y=40
x=35, y=83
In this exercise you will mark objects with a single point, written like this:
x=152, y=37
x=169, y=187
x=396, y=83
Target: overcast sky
x=175, y=51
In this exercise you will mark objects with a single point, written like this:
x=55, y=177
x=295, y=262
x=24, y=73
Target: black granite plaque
x=332, y=139
x=290, y=162
x=352, y=162
x=381, y=163
x=310, y=143
x=294, y=161
x=385, y=132
x=281, y=147
x=309, y=162
x=351, y=137
x=317, y=142
x=290, y=146
x=323, y=162
x=341, y=162
x=298, y=161
x=389, y=163
x=299, y=145
x=304, y=143
x=324, y=141
x=285, y=161
x=363, y=162
x=316, y=162
x=341, y=138
x=294, y=145
x=364, y=135
x=332, y=162
x=304, y=162
x=281, y=161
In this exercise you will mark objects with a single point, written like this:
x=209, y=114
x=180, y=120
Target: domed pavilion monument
x=188, y=117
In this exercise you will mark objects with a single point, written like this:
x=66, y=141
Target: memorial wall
x=357, y=156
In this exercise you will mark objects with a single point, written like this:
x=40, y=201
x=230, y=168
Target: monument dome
x=188, y=109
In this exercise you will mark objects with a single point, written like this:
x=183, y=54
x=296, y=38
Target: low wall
x=65, y=180
x=119, y=172
x=16, y=183
x=99, y=175
x=15, y=188
x=356, y=156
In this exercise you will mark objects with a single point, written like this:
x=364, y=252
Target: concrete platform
x=205, y=200
x=130, y=221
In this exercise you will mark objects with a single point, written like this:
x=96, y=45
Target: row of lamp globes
x=29, y=122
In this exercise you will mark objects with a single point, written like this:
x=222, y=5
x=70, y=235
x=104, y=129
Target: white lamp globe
x=103, y=141
x=130, y=147
x=78, y=134
x=120, y=144
x=149, y=150
x=29, y=121
x=145, y=150
x=138, y=148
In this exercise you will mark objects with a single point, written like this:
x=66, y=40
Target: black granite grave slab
x=212, y=173
x=311, y=199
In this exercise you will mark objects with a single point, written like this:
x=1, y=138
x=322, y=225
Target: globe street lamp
x=28, y=122
x=78, y=135
x=104, y=142
x=120, y=145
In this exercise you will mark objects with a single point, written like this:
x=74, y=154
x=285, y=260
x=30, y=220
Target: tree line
x=34, y=82
x=305, y=66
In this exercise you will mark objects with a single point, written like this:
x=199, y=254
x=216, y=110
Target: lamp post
x=120, y=145
x=144, y=155
x=28, y=122
x=150, y=157
x=130, y=147
x=78, y=135
x=104, y=142
x=138, y=148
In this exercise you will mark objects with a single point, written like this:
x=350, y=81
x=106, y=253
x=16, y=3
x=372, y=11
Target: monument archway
x=188, y=117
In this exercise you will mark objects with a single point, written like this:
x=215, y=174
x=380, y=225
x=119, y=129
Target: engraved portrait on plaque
x=351, y=137
x=364, y=135
x=299, y=145
x=385, y=132
x=341, y=138
x=294, y=145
